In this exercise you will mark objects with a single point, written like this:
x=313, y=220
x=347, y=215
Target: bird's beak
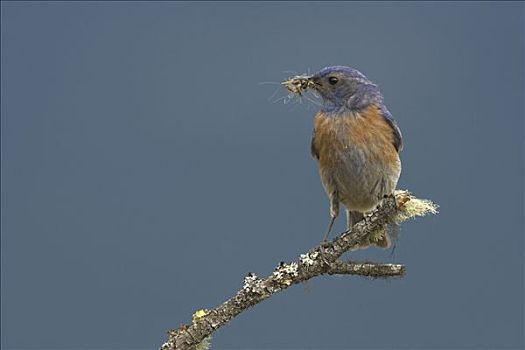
x=313, y=81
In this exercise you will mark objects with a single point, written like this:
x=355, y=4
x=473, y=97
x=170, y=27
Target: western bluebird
x=355, y=141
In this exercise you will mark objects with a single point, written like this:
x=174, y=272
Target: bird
x=356, y=143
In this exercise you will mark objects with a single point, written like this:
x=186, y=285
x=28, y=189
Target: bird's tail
x=380, y=238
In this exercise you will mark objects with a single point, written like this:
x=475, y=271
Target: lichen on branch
x=393, y=210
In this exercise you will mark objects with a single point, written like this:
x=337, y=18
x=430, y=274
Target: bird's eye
x=333, y=80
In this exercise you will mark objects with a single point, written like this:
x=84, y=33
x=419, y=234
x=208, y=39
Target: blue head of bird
x=343, y=88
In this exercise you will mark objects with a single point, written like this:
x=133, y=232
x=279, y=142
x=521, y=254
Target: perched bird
x=355, y=141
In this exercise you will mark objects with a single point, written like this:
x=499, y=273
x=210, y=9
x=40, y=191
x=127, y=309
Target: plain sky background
x=146, y=170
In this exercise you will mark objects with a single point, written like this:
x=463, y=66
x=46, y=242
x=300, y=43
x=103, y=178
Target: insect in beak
x=298, y=84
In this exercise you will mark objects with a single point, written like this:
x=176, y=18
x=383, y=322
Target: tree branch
x=367, y=269
x=392, y=210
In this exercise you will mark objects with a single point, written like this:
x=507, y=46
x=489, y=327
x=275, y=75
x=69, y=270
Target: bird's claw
x=322, y=252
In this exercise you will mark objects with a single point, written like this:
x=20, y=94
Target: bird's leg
x=325, y=240
x=352, y=218
x=349, y=221
x=334, y=212
x=330, y=224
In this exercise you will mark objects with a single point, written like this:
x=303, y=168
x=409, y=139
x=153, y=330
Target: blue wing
x=398, y=138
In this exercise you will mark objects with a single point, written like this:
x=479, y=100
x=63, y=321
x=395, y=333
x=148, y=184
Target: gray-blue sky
x=145, y=171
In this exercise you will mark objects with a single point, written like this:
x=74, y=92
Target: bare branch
x=367, y=269
x=392, y=210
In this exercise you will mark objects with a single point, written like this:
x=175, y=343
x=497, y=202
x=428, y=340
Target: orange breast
x=365, y=131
